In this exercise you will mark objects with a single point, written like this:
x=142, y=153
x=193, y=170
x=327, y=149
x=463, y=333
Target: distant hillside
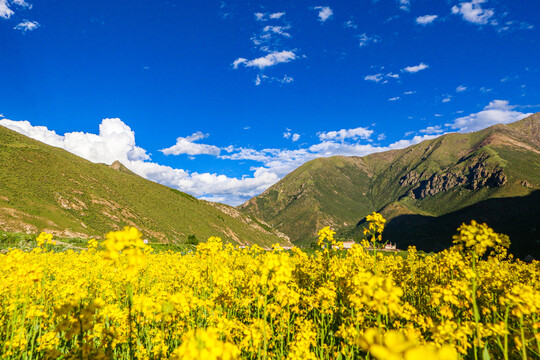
x=44, y=188
x=433, y=178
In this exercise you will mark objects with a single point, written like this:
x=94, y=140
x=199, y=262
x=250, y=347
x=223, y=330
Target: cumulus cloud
x=188, y=146
x=426, y=19
x=473, y=12
x=447, y=98
x=274, y=58
x=115, y=141
x=343, y=134
x=295, y=137
x=394, y=98
x=416, y=68
x=461, y=88
x=496, y=112
x=324, y=12
x=27, y=26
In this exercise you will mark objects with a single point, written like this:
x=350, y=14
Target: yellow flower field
x=121, y=300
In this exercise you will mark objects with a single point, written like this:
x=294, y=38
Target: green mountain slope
x=433, y=178
x=43, y=188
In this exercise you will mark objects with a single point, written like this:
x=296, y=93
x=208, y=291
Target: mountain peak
x=118, y=166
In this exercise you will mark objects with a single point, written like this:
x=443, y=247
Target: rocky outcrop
x=475, y=177
x=411, y=178
x=480, y=177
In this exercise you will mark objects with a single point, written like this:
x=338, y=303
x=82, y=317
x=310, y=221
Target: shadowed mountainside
x=514, y=216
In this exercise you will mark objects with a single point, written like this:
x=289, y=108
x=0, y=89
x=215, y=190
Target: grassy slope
x=340, y=191
x=47, y=188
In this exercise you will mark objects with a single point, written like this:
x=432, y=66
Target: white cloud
x=27, y=26
x=288, y=135
x=350, y=24
x=22, y=3
x=432, y=130
x=5, y=11
x=394, y=98
x=280, y=30
x=238, y=62
x=381, y=137
x=277, y=15
x=426, y=19
x=365, y=39
x=376, y=77
x=472, y=12
x=447, y=98
x=259, y=16
x=409, y=92
x=380, y=77
x=187, y=145
x=356, y=133
x=497, y=112
x=461, y=88
x=405, y=4
x=265, y=78
x=271, y=59
x=416, y=68
x=525, y=26
x=324, y=12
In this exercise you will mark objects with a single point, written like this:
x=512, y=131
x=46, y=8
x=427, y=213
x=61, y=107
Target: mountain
x=44, y=188
x=431, y=179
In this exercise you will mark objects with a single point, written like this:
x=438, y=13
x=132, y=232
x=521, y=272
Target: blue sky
x=221, y=99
